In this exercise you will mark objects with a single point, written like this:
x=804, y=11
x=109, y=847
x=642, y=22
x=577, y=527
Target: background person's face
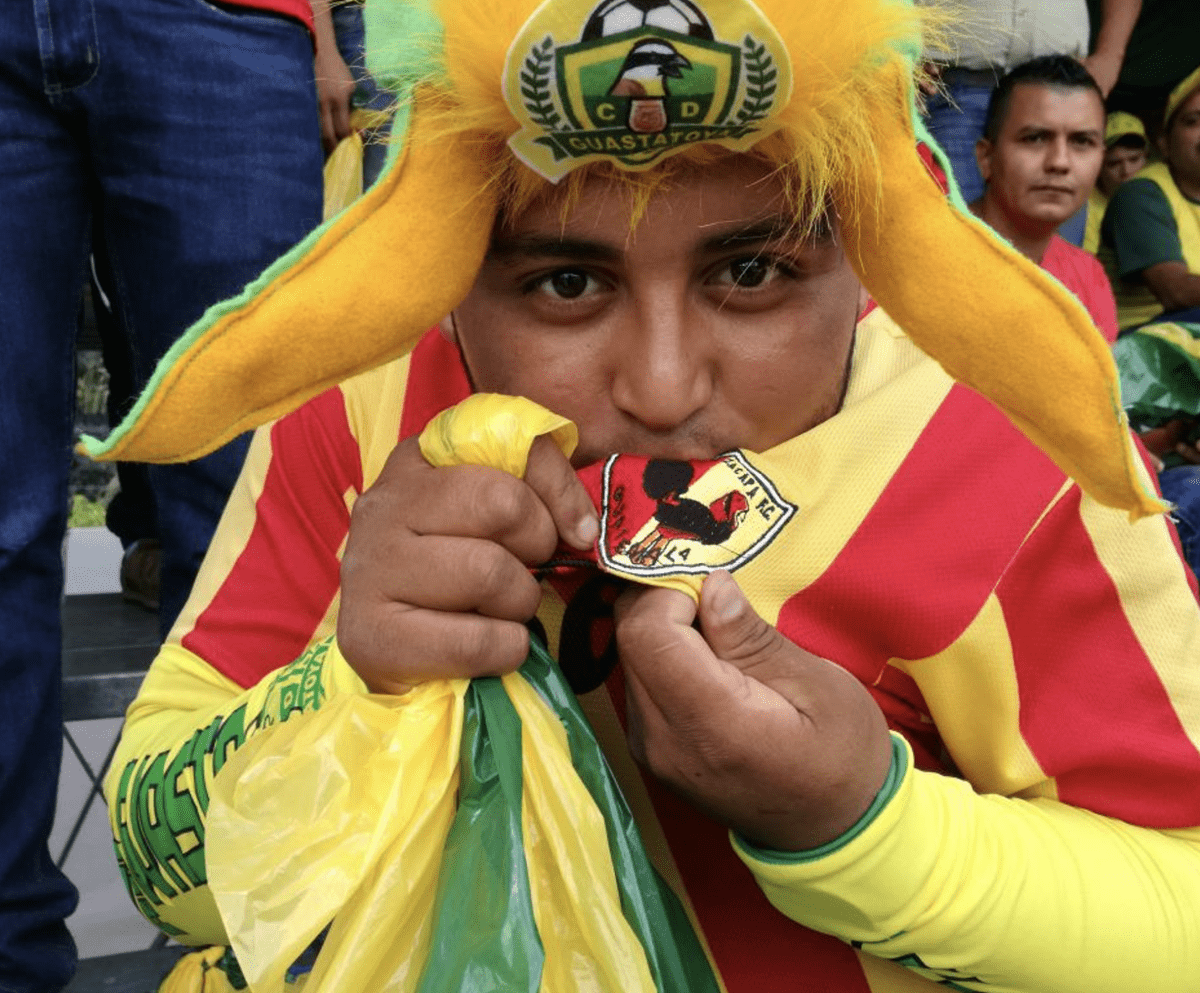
x=1182, y=141
x=709, y=326
x=1047, y=154
x=1120, y=162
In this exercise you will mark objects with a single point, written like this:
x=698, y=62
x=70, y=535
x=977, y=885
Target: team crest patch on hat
x=631, y=81
x=662, y=517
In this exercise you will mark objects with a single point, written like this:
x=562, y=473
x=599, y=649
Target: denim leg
x=205, y=138
x=43, y=249
x=1181, y=486
x=955, y=119
x=348, y=29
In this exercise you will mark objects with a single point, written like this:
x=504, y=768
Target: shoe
x=141, y=567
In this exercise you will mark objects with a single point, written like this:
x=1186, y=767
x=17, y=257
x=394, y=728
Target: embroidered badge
x=634, y=80
x=662, y=517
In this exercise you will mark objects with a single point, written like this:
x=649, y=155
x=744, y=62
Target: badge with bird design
x=634, y=80
x=663, y=517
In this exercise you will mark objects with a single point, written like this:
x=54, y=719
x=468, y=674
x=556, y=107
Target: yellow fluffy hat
x=499, y=98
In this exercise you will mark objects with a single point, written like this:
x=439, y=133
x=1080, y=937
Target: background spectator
x=1039, y=157
x=1150, y=235
x=1124, y=154
x=183, y=137
x=992, y=36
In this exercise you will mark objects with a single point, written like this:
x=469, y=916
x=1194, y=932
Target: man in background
x=1151, y=231
x=182, y=139
x=1039, y=156
x=989, y=38
x=1124, y=156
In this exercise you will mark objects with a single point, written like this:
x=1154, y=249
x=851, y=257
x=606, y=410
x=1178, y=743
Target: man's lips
x=1067, y=190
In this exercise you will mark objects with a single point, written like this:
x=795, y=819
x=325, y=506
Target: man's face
x=1120, y=162
x=709, y=326
x=1182, y=141
x=1046, y=156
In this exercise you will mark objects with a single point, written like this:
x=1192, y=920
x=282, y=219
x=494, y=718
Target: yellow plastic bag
x=461, y=836
x=343, y=175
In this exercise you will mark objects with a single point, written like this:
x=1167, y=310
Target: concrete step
x=130, y=972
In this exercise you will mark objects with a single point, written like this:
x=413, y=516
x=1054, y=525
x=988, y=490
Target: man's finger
x=551, y=477
x=393, y=649
x=328, y=138
x=664, y=657
x=341, y=119
x=461, y=501
x=731, y=625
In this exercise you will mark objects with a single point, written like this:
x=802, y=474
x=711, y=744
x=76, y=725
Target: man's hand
x=1104, y=67
x=335, y=84
x=1171, y=438
x=435, y=577
x=783, y=746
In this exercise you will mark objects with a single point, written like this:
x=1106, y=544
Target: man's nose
x=663, y=374
x=1058, y=157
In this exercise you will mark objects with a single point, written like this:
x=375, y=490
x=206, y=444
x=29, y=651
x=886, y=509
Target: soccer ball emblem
x=617, y=16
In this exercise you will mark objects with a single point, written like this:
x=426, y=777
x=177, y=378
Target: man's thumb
x=731, y=626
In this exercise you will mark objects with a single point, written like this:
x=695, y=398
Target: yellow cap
x=1181, y=92
x=1120, y=124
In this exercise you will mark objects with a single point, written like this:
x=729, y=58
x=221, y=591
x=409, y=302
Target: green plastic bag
x=485, y=935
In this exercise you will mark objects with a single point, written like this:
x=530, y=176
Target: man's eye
x=751, y=272
x=566, y=284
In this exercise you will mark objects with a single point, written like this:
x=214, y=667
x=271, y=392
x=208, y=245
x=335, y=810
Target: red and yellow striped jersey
x=1039, y=653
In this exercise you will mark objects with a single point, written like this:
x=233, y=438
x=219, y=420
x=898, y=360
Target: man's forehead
x=734, y=202
x=1037, y=103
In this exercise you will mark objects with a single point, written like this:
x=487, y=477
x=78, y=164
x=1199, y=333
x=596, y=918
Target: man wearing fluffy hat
x=755, y=290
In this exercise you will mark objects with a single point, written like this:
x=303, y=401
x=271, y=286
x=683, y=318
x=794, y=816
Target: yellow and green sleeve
x=983, y=892
x=183, y=727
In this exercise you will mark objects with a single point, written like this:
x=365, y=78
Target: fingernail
x=727, y=599
x=587, y=531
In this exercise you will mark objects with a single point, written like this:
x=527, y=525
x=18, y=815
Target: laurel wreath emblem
x=537, y=94
x=535, y=87
x=761, y=82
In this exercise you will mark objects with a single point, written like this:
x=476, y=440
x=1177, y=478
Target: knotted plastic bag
x=462, y=837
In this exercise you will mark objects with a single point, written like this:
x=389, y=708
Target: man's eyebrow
x=505, y=249
x=766, y=229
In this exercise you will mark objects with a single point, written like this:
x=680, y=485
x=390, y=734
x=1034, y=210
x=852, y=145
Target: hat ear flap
x=992, y=318
x=350, y=297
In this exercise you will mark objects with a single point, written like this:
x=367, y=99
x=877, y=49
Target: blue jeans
x=1181, y=486
x=184, y=138
x=955, y=119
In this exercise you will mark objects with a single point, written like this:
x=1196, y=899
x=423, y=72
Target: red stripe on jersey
x=927, y=555
x=301, y=10
x=281, y=585
x=436, y=380
x=756, y=948
x=1098, y=719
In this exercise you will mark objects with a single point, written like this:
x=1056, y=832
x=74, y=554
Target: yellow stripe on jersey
x=971, y=691
x=888, y=372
